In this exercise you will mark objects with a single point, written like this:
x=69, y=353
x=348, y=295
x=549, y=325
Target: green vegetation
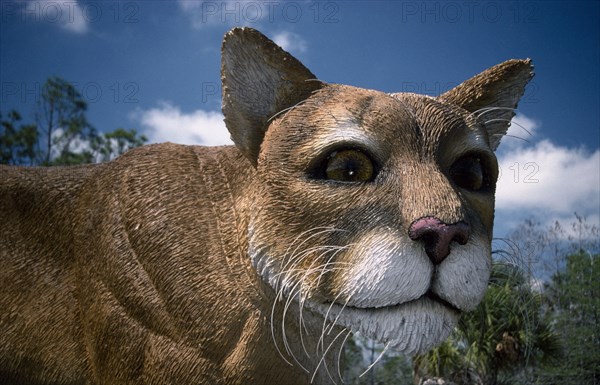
x=61, y=134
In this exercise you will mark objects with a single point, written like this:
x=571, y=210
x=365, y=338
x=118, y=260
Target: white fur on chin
x=410, y=328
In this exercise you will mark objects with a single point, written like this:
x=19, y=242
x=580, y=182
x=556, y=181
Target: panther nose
x=437, y=236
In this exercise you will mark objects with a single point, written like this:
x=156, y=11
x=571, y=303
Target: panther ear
x=493, y=95
x=259, y=80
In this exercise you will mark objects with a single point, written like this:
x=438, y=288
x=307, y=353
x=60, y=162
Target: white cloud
x=544, y=179
x=549, y=177
x=69, y=15
x=167, y=123
x=290, y=42
x=77, y=144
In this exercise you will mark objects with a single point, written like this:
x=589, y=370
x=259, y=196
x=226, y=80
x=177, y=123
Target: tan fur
x=179, y=264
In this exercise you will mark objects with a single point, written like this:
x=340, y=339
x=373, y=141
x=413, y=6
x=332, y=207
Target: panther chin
x=410, y=328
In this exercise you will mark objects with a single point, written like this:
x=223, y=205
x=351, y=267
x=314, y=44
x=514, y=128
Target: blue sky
x=154, y=66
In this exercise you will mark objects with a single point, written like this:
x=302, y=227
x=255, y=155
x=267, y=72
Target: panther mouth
x=433, y=296
x=409, y=327
x=429, y=294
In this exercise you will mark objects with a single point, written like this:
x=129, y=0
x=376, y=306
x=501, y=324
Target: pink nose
x=437, y=236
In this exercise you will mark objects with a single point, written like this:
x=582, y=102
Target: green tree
x=61, y=119
x=115, y=143
x=574, y=298
x=18, y=142
x=62, y=134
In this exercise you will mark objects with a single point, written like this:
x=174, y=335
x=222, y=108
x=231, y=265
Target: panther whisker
x=339, y=314
x=478, y=113
x=299, y=257
x=323, y=229
x=285, y=111
x=302, y=298
x=294, y=291
x=321, y=341
x=511, y=122
x=324, y=354
x=377, y=360
x=303, y=275
x=300, y=282
x=339, y=249
x=284, y=334
x=292, y=257
x=339, y=355
x=272, y=325
x=303, y=327
x=292, y=275
x=296, y=261
x=512, y=136
x=300, y=275
x=301, y=304
x=279, y=297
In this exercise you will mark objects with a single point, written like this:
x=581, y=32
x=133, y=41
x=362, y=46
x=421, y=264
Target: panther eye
x=469, y=173
x=349, y=166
